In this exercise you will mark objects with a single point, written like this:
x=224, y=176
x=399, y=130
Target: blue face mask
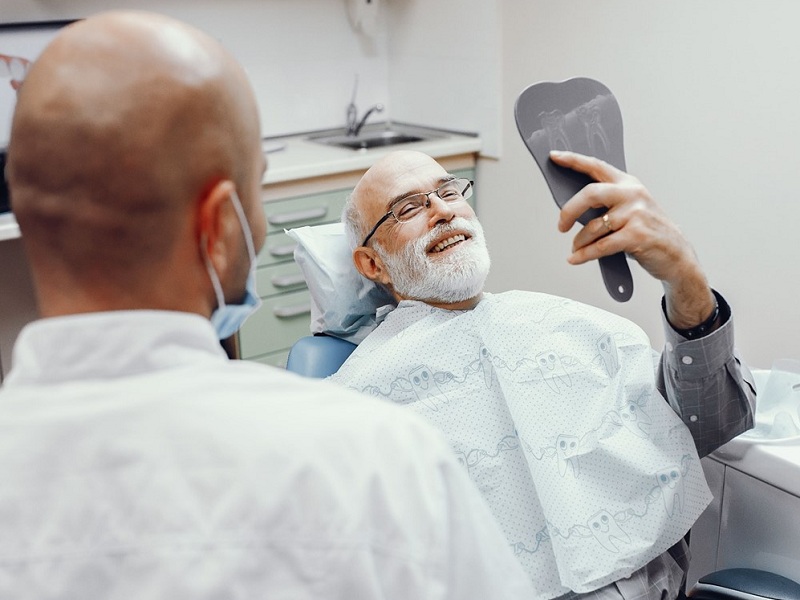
x=228, y=318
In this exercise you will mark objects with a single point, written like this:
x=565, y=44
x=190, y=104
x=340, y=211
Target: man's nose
x=439, y=211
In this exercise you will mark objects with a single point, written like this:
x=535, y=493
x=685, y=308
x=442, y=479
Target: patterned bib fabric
x=552, y=408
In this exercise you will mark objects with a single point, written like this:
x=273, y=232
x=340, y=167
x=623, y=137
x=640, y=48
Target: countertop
x=295, y=157
x=300, y=158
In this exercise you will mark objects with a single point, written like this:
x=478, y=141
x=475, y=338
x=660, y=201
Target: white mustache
x=456, y=224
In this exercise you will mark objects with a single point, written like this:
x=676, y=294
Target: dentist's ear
x=369, y=264
x=218, y=227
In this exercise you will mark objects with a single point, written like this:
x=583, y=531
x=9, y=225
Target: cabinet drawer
x=279, y=279
x=305, y=210
x=277, y=324
x=278, y=248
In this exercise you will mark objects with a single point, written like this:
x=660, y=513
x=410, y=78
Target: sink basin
x=386, y=138
x=372, y=138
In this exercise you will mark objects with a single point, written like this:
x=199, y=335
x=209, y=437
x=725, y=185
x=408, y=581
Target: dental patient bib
x=552, y=408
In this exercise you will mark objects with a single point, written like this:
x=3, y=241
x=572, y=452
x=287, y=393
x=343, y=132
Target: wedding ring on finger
x=606, y=223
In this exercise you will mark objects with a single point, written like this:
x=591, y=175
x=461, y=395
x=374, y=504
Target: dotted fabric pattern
x=552, y=408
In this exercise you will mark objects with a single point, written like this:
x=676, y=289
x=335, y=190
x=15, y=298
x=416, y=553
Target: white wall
x=301, y=55
x=709, y=95
x=445, y=65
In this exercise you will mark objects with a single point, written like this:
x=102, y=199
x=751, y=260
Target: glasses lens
x=465, y=187
x=454, y=190
x=408, y=208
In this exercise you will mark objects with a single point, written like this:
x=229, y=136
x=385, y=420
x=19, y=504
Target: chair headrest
x=343, y=302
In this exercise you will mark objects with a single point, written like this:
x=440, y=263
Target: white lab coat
x=138, y=462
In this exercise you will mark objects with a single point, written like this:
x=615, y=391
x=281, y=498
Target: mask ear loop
x=212, y=272
x=248, y=235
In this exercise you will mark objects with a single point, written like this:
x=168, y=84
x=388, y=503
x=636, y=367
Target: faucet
x=353, y=124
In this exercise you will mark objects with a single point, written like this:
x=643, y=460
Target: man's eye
x=407, y=209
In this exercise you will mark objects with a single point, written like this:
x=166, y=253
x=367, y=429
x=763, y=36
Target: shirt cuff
x=694, y=359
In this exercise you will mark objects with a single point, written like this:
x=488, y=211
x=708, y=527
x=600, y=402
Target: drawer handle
x=285, y=281
x=283, y=250
x=300, y=215
x=287, y=312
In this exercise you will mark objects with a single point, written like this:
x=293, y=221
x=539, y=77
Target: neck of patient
x=467, y=304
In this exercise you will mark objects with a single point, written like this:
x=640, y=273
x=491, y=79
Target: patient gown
x=552, y=408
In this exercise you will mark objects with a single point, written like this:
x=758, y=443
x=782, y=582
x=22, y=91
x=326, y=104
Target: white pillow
x=343, y=302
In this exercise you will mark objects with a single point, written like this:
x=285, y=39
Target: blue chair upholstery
x=318, y=355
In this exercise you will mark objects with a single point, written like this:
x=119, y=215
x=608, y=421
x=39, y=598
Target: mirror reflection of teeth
x=589, y=115
x=554, y=123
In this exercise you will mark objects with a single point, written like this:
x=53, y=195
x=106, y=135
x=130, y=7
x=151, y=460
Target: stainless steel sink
x=388, y=135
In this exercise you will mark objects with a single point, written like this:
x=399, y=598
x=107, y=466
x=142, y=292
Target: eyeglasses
x=405, y=209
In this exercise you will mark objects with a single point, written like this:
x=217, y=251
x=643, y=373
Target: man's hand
x=635, y=224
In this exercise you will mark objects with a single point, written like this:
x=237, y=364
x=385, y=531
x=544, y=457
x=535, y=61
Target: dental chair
x=321, y=355
x=744, y=584
x=318, y=355
x=340, y=305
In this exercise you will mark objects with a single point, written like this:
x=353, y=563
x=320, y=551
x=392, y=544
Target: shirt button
x=669, y=347
x=693, y=418
x=687, y=360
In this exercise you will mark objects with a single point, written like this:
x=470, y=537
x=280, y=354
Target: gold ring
x=605, y=222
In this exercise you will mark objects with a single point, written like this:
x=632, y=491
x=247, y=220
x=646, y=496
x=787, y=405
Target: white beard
x=455, y=277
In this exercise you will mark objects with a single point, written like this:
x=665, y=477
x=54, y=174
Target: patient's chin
x=456, y=278
x=453, y=276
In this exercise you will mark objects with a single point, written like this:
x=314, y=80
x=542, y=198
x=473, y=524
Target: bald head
x=392, y=175
x=121, y=125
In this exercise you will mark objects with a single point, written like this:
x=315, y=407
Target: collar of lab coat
x=109, y=345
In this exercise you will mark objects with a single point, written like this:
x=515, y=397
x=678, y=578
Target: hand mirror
x=583, y=116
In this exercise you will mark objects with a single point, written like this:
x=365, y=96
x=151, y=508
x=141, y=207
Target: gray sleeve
x=706, y=383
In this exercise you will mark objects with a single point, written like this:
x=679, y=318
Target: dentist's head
x=412, y=231
x=135, y=167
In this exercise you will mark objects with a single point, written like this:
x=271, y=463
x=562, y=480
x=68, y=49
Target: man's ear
x=217, y=225
x=369, y=264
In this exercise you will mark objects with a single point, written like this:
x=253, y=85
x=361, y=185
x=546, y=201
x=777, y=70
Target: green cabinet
x=285, y=313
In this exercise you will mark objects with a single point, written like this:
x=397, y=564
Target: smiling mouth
x=450, y=242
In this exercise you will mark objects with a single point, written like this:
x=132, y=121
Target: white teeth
x=449, y=242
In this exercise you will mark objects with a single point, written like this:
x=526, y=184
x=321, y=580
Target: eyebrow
x=439, y=182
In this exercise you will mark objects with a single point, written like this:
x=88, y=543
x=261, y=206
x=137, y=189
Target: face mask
x=228, y=318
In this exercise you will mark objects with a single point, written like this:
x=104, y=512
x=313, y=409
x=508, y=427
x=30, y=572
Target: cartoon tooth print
x=635, y=420
x=553, y=371
x=607, y=531
x=589, y=115
x=607, y=348
x=567, y=454
x=672, y=489
x=425, y=387
x=554, y=124
x=487, y=366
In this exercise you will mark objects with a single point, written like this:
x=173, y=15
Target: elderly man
x=587, y=456
x=137, y=460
